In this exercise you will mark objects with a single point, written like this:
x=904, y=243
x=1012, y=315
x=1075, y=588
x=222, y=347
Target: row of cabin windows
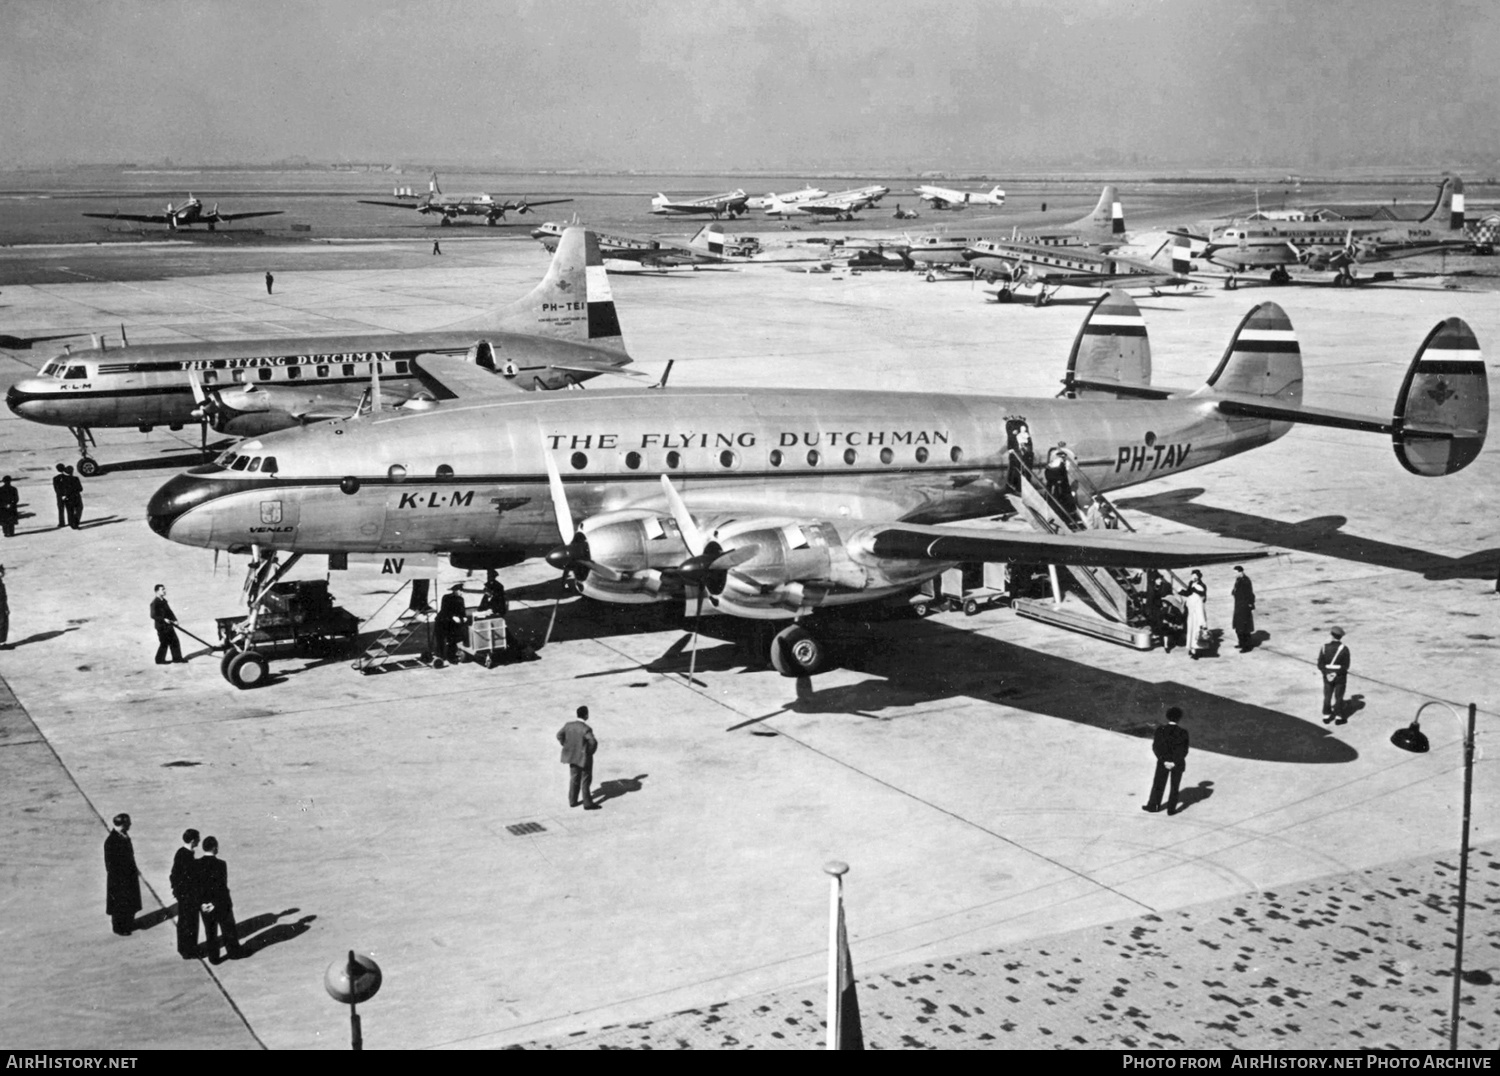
x=294, y=373
x=232, y=462
x=579, y=461
x=729, y=460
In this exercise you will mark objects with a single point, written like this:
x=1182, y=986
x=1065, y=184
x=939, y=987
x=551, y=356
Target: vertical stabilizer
x=1108, y=217
x=1447, y=213
x=1111, y=349
x=573, y=301
x=709, y=240
x=1263, y=358
x=1443, y=408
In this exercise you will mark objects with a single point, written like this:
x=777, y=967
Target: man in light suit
x=578, y=747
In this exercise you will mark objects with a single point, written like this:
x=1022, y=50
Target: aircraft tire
x=1343, y=280
x=795, y=651
x=445, y=222
x=229, y=655
x=247, y=669
x=931, y=277
x=88, y=466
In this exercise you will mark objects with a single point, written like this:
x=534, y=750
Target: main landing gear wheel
x=88, y=466
x=247, y=669
x=1231, y=284
x=1343, y=280
x=795, y=651
x=931, y=277
x=1280, y=276
x=229, y=655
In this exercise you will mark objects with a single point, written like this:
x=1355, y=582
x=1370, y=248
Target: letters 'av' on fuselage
x=779, y=501
x=563, y=332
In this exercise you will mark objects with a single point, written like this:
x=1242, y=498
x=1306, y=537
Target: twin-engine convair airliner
x=449, y=207
x=708, y=247
x=186, y=215
x=776, y=503
x=565, y=331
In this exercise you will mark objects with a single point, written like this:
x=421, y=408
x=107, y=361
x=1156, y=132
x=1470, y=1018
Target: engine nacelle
x=643, y=547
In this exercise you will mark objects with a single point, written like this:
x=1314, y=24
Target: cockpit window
x=225, y=458
x=75, y=372
x=254, y=464
x=269, y=466
x=240, y=463
x=52, y=369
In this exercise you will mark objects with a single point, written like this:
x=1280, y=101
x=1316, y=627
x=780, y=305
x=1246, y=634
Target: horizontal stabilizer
x=1099, y=549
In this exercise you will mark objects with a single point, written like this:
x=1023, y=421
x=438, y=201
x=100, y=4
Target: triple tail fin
x=572, y=303
x=1441, y=414
x=1263, y=358
x=1111, y=355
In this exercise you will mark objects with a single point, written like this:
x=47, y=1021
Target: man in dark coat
x=122, y=892
x=10, y=507
x=212, y=882
x=73, y=499
x=4, y=612
x=1170, y=745
x=1243, y=621
x=1333, y=665
x=578, y=747
x=184, y=879
x=270, y=281
x=166, y=635
x=60, y=491
x=448, y=628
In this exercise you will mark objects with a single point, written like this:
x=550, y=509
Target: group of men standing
x=199, y=883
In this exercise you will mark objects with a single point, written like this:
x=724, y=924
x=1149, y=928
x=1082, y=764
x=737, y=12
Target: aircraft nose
x=179, y=496
x=17, y=398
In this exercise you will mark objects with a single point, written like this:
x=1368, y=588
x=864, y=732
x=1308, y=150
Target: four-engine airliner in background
x=186, y=215
x=452, y=206
x=565, y=331
x=775, y=504
x=1340, y=246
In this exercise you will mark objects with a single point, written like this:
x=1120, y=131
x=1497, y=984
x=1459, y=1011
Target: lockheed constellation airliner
x=775, y=503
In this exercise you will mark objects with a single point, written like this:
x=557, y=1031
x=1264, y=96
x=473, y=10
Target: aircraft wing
x=393, y=205
x=526, y=203
x=142, y=218
x=1091, y=548
x=247, y=216
x=455, y=377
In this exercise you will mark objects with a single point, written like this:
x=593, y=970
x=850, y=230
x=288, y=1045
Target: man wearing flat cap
x=1333, y=665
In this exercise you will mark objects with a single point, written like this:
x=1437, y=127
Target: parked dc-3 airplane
x=708, y=247
x=730, y=203
x=1165, y=263
x=453, y=206
x=565, y=331
x=945, y=198
x=806, y=194
x=1339, y=246
x=187, y=214
x=773, y=503
x=840, y=206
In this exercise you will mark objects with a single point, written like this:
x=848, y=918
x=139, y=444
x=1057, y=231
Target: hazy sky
x=777, y=84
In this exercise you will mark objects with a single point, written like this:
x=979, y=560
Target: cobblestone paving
x=1356, y=961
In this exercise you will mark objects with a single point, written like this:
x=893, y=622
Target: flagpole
x=835, y=871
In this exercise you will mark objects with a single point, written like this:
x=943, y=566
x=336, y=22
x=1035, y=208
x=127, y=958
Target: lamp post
x=1404, y=739
x=350, y=982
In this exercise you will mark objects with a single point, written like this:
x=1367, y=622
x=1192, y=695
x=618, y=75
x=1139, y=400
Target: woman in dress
x=1196, y=597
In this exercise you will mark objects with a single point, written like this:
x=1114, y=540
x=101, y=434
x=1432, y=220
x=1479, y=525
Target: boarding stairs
x=391, y=649
x=1118, y=601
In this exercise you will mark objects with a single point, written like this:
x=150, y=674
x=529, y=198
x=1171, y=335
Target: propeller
x=708, y=568
x=210, y=409
x=572, y=557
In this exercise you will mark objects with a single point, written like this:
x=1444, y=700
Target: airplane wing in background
x=247, y=216
x=1095, y=549
x=141, y=218
x=393, y=205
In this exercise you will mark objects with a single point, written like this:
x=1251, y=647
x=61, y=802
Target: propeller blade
x=559, y=495
x=734, y=558
x=697, y=622
x=691, y=535
x=197, y=386
x=552, y=620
